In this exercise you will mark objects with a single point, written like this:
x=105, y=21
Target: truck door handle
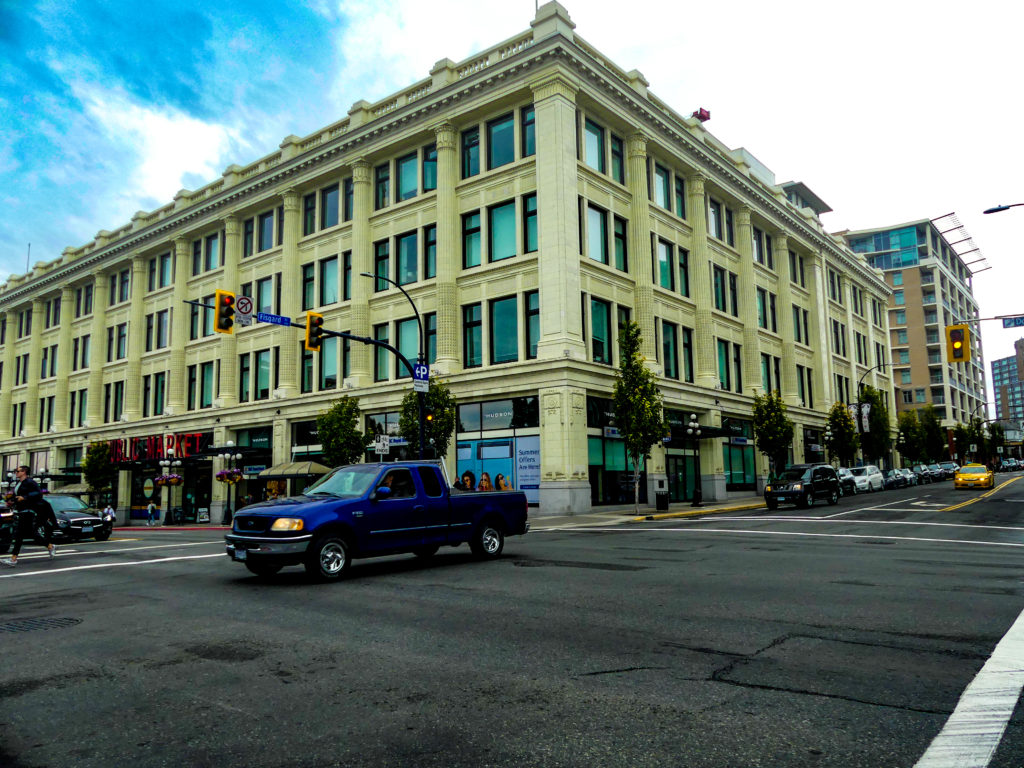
x=357, y=514
x=419, y=508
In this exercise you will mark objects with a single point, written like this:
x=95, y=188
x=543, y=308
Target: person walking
x=151, y=513
x=33, y=512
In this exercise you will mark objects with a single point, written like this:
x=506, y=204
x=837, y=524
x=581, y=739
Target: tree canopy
x=439, y=402
x=773, y=431
x=342, y=440
x=844, y=440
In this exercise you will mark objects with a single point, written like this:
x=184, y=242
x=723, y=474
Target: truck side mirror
x=382, y=492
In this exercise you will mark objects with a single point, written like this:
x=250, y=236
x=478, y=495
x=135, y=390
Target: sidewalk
x=625, y=513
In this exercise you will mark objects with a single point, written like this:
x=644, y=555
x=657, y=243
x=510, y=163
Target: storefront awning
x=73, y=489
x=294, y=469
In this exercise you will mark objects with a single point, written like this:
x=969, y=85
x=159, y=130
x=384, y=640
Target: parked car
x=368, y=510
x=1010, y=465
x=924, y=475
x=7, y=522
x=949, y=468
x=974, y=476
x=803, y=484
x=847, y=485
x=76, y=520
x=894, y=478
x=910, y=475
x=868, y=478
x=938, y=473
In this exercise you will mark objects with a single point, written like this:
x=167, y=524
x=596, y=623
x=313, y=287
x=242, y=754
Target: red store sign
x=149, y=447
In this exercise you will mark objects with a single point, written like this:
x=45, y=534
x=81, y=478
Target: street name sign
x=1013, y=322
x=266, y=317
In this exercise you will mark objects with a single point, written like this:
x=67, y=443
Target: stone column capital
x=696, y=181
x=445, y=135
x=290, y=200
x=361, y=171
x=554, y=85
x=232, y=225
x=743, y=215
x=636, y=145
x=181, y=246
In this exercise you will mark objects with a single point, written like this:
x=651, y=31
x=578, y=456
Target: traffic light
x=958, y=343
x=314, y=331
x=428, y=416
x=224, y=307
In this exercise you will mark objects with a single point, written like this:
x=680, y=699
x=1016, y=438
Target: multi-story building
x=531, y=200
x=931, y=289
x=1009, y=388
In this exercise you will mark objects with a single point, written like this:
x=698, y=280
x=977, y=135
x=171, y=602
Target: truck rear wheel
x=487, y=541
x=328, y=558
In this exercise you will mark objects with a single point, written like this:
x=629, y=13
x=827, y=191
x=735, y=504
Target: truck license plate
x=240, y=554
x=86, y=529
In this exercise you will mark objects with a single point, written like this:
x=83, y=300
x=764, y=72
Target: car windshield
x=973, y=470
x=347, y=482
x=67, y=504
x=793, y=474
x=934, y=466
x=859, y=471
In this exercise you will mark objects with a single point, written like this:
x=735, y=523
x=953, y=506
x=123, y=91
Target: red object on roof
x=702, y=114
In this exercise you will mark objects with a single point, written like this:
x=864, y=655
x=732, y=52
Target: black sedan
x=894, y=478
x=76, y=520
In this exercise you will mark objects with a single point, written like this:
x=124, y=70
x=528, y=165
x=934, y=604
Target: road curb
x=697, y=512
x=171, y=528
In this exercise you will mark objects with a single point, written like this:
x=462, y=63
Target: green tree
x=962, y=440
x=439, y=403
x=933, y=436
x=912, y=445
x=342, y=440
x=844, y=440
x=877, y=440
x=996, y=440
x=638, y=404
x=773, y=431
x=977, y=435
x=97, y=470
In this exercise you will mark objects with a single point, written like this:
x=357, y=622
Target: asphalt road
x=836, y=636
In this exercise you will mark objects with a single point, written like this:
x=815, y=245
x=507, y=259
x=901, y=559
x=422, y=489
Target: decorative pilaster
x=136, y=342
x=97, y=354
x=822, y=373
x=362, y=261
x=229, y=343
x=705, y=365
x=291, y=276
x=60, y=402
x=640, y=245
x=746, y=295
x=35, y=356
x=7, y=382
x=564, y=486
x=561, y=334
x=180, y=313
x=449, y=258
x=780, y=245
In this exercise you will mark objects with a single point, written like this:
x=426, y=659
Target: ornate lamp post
x=827, y=437
x=169, y=466
x=230, y=474
x=693, y=430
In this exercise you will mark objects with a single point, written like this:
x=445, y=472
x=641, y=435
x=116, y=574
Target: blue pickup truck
x=367, y=510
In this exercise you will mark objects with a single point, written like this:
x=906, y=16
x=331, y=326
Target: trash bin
x=661, y=501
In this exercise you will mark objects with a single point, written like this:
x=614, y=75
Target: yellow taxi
x=974, y=476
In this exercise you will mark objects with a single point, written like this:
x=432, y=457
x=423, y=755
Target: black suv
x=803, y=484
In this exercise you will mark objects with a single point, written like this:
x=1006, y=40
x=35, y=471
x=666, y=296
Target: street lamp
x=693, y=430
x=827, y=437
x=422, y=359
x=1001, y=208
x=166, y=466
x=230, y=459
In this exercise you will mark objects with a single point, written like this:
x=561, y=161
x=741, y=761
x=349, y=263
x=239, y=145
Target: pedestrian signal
x=224, y=307
x=958, y=343
x=314, y=331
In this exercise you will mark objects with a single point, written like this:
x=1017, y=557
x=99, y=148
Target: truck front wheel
x=487, y=541
x=328, y=558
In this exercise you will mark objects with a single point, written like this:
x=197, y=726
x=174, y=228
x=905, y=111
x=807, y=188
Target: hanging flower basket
x=171, y=479
x=229, y=476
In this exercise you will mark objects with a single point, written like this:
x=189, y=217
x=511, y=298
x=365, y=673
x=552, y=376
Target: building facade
x=1009, y=386
x=530, y=200
x=931, y=289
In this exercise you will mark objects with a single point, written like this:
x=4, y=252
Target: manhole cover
x=31, y=625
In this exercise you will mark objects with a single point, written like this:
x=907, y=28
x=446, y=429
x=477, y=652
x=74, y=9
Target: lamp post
x=229, y=458
x=421, y=359
x=900, y=439
x=168, y=465
x=693, y=430
x=860, y=408
x=1001, y=208
x=827, y=437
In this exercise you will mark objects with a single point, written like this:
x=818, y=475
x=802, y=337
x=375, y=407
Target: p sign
x=421, y=378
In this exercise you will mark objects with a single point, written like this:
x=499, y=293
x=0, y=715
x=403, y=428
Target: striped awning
x=294, y=469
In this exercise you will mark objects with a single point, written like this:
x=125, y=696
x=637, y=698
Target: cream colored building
x=530, y=199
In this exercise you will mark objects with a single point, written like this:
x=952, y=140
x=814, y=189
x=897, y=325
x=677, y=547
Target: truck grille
x=251, y=524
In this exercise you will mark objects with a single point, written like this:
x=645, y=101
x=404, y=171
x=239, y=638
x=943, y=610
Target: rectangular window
x=734, y=294
x=262, y=365
x=308, y=288
x=264, y=299
x=159, y=392
x=897, y=298
x=244, y=377
x=715, y=219
x=308, y=220
x=265, y=231
x=329, y=206
x=381, y=357
x=530, y=241
x=430, y=168
x=501, y=227
x=407, y=186
x=429, y=251
x=737, y=366
x=597, y=234
x=680, y=199
x=206, y=384
x=665, y=270
x=501, y=141
x=329, y=280
x=472, y=341
x=724, y=377
x=688, y=355
x=471, y=240
x=408, y=258
x=762, y=308
x=766, y=372
x=528, y=138
x=348, y=201
x=407, y=340
x=382, y=186
x=329, y=364
x=381, y=266
x=504, y=330
x=470, y=152
x=306, y=370
x=601, y=331
x=211, y=260
x=662, y=182
x=346, y=284
x=719, y=289
x=532, y=323
x=618, y=160
x=619, y=235
x=593, y=146
x=163, y=328
x=122, y=341
x=759, y=253
x=796, y=268
x=669, y=350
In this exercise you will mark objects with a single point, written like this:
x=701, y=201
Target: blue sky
x=891, y=112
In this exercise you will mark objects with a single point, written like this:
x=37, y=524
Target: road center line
x=867, y=522
x=52, y=571
x=974, y=730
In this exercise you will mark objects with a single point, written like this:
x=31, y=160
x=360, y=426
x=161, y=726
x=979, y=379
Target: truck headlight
x=287, y=524
x=62, y=523
x=796, y=486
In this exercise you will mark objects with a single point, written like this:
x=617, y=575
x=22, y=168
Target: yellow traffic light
x=958, y=343
x=314, y=331
x=224, y=309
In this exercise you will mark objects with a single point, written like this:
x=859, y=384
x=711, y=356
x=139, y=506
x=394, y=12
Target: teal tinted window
x=266, y=231
x=470, y=152
x=408, y=257
x=430, y=168
x=429, y=251
x=430, y=331
x=621, y=255
x=502, y=230
x=382, y=357
x=382, y=186
x=618, y=161
x=723, y=364
x=329, y=280
x=471, y=240
x=530, y=243
x=529, y=138
x=472, y=342
x=532, y=323
x=684, y=272
x=381, y=265
x=597, y=234
x=661, y=187
x=665, y=266
x=593, y=146
x=670, y=350
x=408, y=343
x=408, y=183
x=501, y=148
x=504, y=330
x=329, y=363
x=329, y=206
x=600, y=331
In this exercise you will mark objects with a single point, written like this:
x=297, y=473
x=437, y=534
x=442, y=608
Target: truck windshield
x=345, y=481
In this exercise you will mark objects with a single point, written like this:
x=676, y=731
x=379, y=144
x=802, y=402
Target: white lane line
x=797, y=533
x=52, y=571
x=61, y=549
x=973, y=732
x=869, y=522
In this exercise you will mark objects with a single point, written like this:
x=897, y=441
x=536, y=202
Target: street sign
x=1013, y=322
x=266, y=317
x=999, y=449
x=243, y=310
x=974, y=447
x=421, y=378
x=382, y=446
